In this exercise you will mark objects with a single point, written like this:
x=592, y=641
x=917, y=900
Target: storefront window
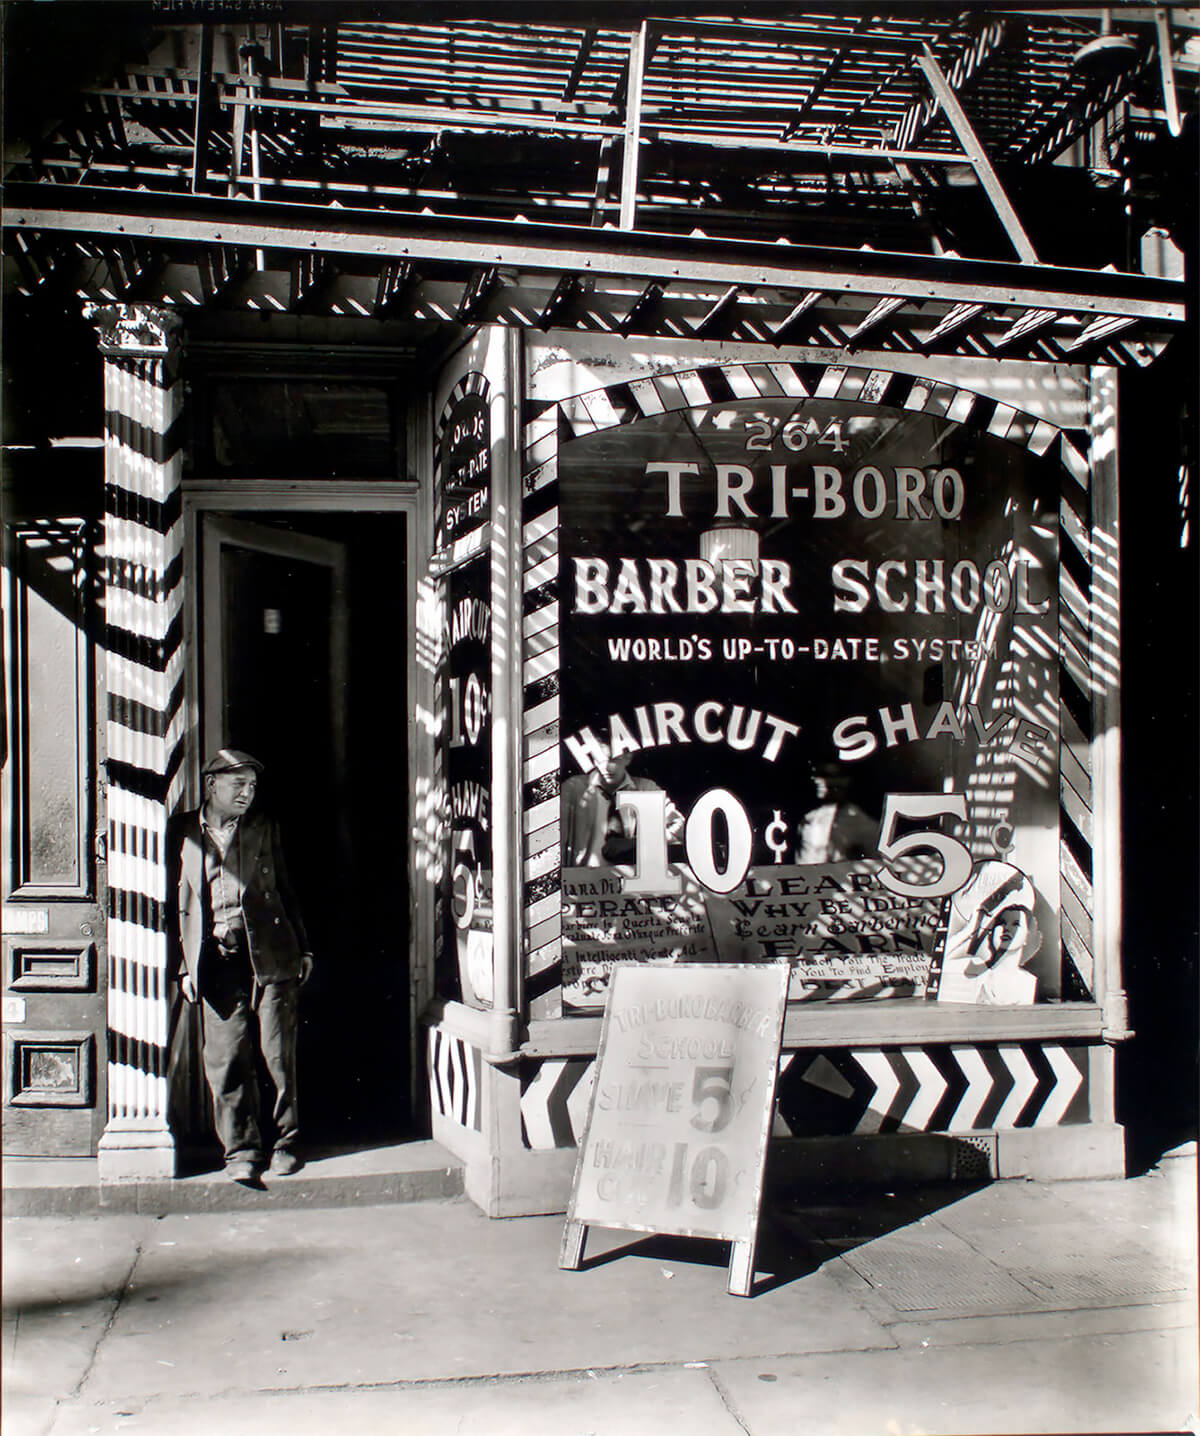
x=810, y=704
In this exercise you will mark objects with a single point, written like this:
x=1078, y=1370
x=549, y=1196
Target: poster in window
x=462, y=514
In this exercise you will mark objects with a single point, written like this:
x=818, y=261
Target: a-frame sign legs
x=741, y=1268
x=741, y=1257
x=573, y=1239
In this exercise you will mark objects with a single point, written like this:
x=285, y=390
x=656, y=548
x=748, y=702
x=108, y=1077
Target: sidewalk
x=1016, y=1307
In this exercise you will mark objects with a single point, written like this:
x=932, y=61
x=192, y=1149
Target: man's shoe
x=242, y=1170
x=284, y=1163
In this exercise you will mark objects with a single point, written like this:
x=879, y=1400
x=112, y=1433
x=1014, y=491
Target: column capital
x=135, y=331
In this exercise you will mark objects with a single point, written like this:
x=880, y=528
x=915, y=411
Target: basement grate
x=917, y=1275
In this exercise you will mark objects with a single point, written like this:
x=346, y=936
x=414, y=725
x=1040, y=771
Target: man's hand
x=306, y=967
x=187, y=986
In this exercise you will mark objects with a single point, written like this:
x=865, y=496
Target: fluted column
x=144, y=726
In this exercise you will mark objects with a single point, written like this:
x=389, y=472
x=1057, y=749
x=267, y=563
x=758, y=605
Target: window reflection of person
x=835, y=830
x=596, y=830
x=992, y=936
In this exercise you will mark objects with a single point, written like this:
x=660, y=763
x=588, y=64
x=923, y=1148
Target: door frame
x=340, y=496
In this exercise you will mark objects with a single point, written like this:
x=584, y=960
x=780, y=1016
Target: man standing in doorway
x=245, y=956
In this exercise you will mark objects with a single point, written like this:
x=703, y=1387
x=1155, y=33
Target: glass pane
x=304, y=429
x=810, y=706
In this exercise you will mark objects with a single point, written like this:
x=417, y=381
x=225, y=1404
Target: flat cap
x=225, y=760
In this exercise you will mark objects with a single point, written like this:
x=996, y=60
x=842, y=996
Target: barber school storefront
x=607, y=581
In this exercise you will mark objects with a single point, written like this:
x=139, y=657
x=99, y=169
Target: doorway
x=305, y=638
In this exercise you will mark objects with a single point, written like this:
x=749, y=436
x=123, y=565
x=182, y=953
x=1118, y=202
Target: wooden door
x=54, y=892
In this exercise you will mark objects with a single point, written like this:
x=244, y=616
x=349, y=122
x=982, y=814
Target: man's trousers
x=242, y=1019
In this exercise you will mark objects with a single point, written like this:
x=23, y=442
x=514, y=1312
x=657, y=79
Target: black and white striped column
x=144, y=729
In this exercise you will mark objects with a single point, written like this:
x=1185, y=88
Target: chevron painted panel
x=455, y=1079
x=956, y=1088
x=838, y=1091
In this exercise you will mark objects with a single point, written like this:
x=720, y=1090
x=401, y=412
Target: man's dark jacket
x=274, y=928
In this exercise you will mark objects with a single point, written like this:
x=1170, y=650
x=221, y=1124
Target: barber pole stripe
x=632, y=399
x=541, y=897
x=144, y=729
x=1088, y=656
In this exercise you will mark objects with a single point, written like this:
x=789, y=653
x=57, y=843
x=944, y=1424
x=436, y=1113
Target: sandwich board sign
x=681, y=1107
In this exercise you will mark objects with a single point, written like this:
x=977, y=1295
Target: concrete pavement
x=1015, y=1307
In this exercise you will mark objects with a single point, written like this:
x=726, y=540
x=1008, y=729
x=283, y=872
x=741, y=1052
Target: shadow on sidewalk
x=800, y=1230
x=33, y=1294
x=199, y=1160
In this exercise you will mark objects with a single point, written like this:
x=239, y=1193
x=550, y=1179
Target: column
x=1106, y=705
x=144, y=727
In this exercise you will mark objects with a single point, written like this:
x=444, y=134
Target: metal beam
x=1074, y=118
x=784, y=35
x=1025, y=327
x=957, y=318
x=476, y=293
x=977, y=155
x=205, y=98
x=1099, y=330
x=798, y=318
x=592, y=253
x=220, y=269
x=561, y=302
x=1167, y=68
x=633, y=126
x=883, y=311
x=310, y=273
x=967, y=63
x=722, y=313
x=571, y=84
x=395, y=279
x=647, y=303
